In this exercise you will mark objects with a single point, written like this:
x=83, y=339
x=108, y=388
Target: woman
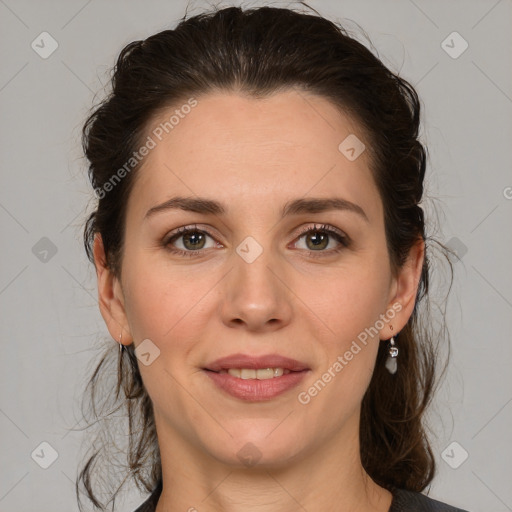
x=261, y=257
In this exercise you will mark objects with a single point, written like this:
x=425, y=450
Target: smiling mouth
x=256, y=378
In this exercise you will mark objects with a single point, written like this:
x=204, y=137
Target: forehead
x=241, y=150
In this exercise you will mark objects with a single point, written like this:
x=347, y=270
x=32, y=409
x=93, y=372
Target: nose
x=256, y=296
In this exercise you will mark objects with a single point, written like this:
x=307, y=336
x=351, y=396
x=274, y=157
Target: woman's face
x=248, y=280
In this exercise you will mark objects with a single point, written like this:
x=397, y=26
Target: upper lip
x=256, y=362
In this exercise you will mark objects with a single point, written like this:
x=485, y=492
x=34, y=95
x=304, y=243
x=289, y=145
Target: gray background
x=50, y=324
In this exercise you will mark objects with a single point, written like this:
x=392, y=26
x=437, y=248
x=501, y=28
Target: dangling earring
x=121, y=346
x=391, y=363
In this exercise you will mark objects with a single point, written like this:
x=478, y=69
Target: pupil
x=320, y=238
x=193, y=239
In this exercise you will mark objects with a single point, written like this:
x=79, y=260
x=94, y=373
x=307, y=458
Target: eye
x=193, y=240
x=318, y=238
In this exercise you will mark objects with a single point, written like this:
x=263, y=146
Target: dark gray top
x=403, y=501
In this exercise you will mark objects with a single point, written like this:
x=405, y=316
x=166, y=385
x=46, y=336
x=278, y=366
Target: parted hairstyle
x=259, y=52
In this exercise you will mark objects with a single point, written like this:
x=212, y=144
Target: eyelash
x=343, y=240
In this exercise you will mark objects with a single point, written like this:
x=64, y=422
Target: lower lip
x=255, y=390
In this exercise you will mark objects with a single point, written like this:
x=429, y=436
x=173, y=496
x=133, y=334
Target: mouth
x=254, y=373
x=256, y=379
x=246, y=363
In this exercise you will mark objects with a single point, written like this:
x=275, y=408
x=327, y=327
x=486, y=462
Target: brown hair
x=259, y=52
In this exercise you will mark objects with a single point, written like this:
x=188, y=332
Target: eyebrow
x=295, y=207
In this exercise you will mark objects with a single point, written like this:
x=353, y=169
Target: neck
x=331, y=477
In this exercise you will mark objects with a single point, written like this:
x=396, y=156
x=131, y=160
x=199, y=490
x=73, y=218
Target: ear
x=110, y=296
x=404, y=289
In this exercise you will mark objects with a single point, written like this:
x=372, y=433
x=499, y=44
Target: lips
x=256, y=363
x=235, y=375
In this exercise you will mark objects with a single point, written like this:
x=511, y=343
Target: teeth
x=260, y=374
x=279, y=371
x=248, y=374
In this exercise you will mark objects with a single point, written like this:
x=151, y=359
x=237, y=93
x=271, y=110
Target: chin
x=256, y=449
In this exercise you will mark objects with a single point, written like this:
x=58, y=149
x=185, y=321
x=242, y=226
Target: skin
x=253, y=156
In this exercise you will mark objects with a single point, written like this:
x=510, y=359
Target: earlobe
x=110, y=296
x=406, y=286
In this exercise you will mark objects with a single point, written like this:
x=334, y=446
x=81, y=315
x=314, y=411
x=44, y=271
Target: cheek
x=346, y=315
x=154, y=308
x=146, y=301
x=162, y=301
x=348, y=302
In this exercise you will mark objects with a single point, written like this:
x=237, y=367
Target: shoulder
x=410, y=501
x=150, y=504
